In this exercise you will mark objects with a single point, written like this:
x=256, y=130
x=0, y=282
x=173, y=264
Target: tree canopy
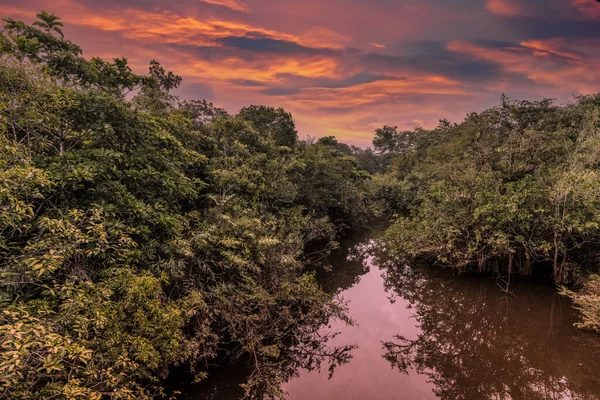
x=139, y=232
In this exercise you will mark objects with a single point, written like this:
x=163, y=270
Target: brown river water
x=422, y=334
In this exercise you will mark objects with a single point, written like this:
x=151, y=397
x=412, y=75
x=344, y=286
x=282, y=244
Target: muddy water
x=427, y=335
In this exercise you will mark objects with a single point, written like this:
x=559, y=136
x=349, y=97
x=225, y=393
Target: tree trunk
x=556, y=268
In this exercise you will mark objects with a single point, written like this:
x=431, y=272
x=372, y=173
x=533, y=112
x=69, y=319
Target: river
x=422, y=334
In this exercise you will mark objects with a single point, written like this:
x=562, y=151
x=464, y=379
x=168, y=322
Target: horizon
x=348, y=67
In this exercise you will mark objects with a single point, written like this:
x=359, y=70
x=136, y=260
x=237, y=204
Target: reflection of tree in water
x=310, y=349
x=230, y=382
x=477, y=343
x=344, y=267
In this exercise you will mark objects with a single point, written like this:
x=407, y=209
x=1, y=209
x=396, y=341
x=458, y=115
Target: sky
x=347, y=67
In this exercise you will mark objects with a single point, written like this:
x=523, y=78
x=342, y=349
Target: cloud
x=406, y=63
x=536, y=9
x=248, y=82
x=507, y=7
x=376, y=92
x=267, y=45
x=434, y=58
x=589, y=8
x=280, y=91
x=553, y=63
x=324, y=38
x=270, y=68
x=551, y=47
x=170, y=28
x=231, y=4
x=292, y=83
x=165, y=27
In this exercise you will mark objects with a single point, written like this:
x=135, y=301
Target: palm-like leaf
x=50, y=22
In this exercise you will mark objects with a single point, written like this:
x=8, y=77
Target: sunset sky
x=346, y=67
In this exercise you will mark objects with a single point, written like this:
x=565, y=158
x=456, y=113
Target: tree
x=49, y=22
x=275, y=122
x=386, y=139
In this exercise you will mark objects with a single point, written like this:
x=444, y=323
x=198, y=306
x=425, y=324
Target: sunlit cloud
x=172, y=29
x=267, y=70
x=347, y=73
x=323, y=38
x=231, y=4
x=14, y=12
x=544, y=62
x=507, y=7
x=589, y=8
x=166, y=27
x=384, y=91
x=551, y=47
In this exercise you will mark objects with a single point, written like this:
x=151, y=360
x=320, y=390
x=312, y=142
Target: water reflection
x=344, y=268
x=421, y=334
x=317, y=348
x=479, y=343
x=368, y=375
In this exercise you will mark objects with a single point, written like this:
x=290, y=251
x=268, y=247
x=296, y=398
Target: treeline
x=139, y=232
x=510, y=190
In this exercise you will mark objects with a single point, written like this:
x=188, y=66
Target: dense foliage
x=509, y=190
x=138, y=233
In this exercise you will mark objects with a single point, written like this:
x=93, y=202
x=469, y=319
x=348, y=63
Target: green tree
x=272, y=121
x=49, y=22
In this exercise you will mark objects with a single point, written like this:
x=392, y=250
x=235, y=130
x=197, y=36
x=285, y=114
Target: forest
x=141, y=233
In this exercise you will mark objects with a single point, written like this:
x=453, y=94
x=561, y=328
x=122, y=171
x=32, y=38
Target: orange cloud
x=306, y=81
x=167, y=28
x=323, y=38
x=170, y=28
x=265, y=70
x=589, y=8
x=567, y=71
x=507, y=7
x=231, y=4
x=73, y=13
x=355, y=97
x=352, y=114
x=551, y=46
x=14, y=12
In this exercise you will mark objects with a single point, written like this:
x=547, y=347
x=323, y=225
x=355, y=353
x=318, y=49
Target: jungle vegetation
x=140, y=232
x=512, y=190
